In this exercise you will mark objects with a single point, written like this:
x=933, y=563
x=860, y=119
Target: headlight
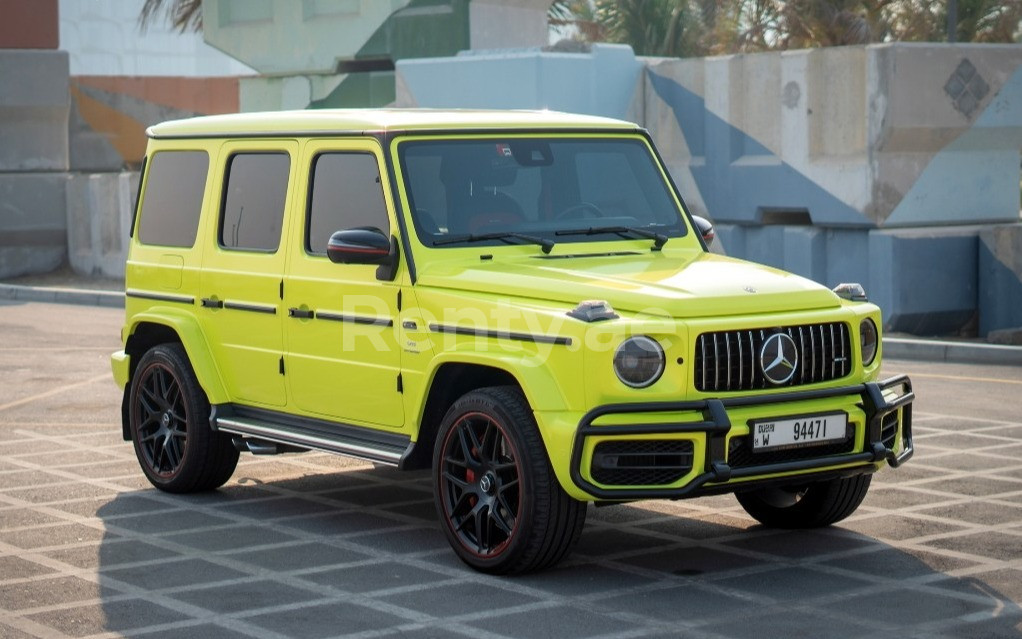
x=639, y=361
x=868, y=341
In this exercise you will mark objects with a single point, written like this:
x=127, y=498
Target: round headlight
x=639, y=361
x=868, y=341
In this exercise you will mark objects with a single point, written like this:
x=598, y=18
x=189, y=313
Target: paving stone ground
x=315, y=546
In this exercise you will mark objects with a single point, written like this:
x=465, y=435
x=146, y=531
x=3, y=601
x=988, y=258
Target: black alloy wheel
x=163, y=420
x=168, y=418
x=480, y=487
x=497, y=497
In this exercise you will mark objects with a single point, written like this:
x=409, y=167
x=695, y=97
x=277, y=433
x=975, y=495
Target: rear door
x=243, y=274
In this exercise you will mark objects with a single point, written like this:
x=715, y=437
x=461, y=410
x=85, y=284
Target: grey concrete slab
x=320, y=546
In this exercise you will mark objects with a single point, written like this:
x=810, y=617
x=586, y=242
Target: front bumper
x=716, y=425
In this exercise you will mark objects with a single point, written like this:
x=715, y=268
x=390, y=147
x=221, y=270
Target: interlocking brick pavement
x=314, y=545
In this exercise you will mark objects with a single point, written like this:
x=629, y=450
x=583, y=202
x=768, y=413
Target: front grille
x=729, y=360
x=641, y=462
x=740, y=453
x=889, y=429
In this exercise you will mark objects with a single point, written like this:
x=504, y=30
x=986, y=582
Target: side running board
x=304, y=432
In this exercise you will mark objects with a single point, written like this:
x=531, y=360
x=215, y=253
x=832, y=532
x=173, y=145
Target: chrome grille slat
x=833, y=354
x=845, y=364
x=802, y=355
x=824, y=354
x=741, y=360
x=752, y=360
x=727, y=348
x=716, y=363
x=702, y=351
x=812, y=355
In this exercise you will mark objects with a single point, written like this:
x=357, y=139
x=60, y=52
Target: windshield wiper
x=547, y=245
x=659, y=239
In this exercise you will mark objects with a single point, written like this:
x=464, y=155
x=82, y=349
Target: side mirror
x=705, y=229
x=364, y=245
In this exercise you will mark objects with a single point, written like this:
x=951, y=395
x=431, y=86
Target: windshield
x=496, y=190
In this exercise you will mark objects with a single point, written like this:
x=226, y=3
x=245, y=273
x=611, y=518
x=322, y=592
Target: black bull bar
x=716, y=424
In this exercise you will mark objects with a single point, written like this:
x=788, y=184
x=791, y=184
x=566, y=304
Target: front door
x=342, y=361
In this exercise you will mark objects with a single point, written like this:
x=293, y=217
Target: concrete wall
x=883, y=135
x=879, y=164
x=59, y=127
x=34, y=107
x=99, y=213
x=919, y=137
x=110, y=114
x=29, y=24
x=341, y=53
x=606, y=81
x=102, y=38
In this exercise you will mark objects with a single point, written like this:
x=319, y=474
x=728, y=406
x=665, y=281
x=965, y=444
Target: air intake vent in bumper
x=641, y=462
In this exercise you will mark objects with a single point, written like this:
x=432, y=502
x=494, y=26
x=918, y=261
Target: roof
x=359, y=121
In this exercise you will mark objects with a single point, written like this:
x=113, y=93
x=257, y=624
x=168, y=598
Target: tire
x=806, y=506
x=168, y=415
x=497, y=497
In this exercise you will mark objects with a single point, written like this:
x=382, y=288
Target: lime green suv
x=518, y=301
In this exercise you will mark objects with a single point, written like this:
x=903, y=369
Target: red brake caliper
x=470, y=477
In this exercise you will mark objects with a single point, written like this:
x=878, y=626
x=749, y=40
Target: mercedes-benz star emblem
x=778, y=358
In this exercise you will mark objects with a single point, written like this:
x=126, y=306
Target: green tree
x=978, y=20
x=183, y=15
x=713, y=27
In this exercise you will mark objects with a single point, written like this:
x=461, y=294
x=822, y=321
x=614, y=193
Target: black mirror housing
x=705, y=228
x=364, y=245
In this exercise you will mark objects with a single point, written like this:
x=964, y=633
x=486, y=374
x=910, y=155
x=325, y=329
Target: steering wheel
x=580, y=211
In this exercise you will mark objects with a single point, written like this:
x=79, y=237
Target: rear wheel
x=169, y=424
x=807, y=505
x=499, y=502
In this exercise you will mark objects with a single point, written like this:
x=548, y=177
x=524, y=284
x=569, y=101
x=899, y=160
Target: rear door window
x=255, y=191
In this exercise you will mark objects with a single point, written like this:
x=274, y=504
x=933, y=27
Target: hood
x=684, y=284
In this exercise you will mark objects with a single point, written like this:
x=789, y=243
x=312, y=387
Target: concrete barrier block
x=924, y=280
x=764, y=244
x=34, y=104
x=730, y=239
x=99, y=212
x=1000, y=278
x=33, y=227
x=847, y=257
x=805, y=252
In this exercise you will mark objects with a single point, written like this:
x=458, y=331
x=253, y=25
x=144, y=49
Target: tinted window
x=346, y=193
x=254, y=194
x=176, y=181
x=546, y=187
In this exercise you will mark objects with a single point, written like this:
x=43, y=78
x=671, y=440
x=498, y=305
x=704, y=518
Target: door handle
x=301, y=313
x=209, y=302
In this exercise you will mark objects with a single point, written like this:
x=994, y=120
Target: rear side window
x=346, y=193
x=173, y=198
x=255, y=190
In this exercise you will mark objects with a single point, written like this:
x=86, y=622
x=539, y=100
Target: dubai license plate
x=797, y=432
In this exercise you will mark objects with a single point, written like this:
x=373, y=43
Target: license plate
x=797, y=432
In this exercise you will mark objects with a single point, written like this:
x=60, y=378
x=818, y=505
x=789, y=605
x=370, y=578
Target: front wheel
x=498, y=500
x=806, y=506
x=169, y=423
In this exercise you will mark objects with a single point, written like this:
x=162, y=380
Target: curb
x=952, y=352
x=86, y=297
x=894, y=347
